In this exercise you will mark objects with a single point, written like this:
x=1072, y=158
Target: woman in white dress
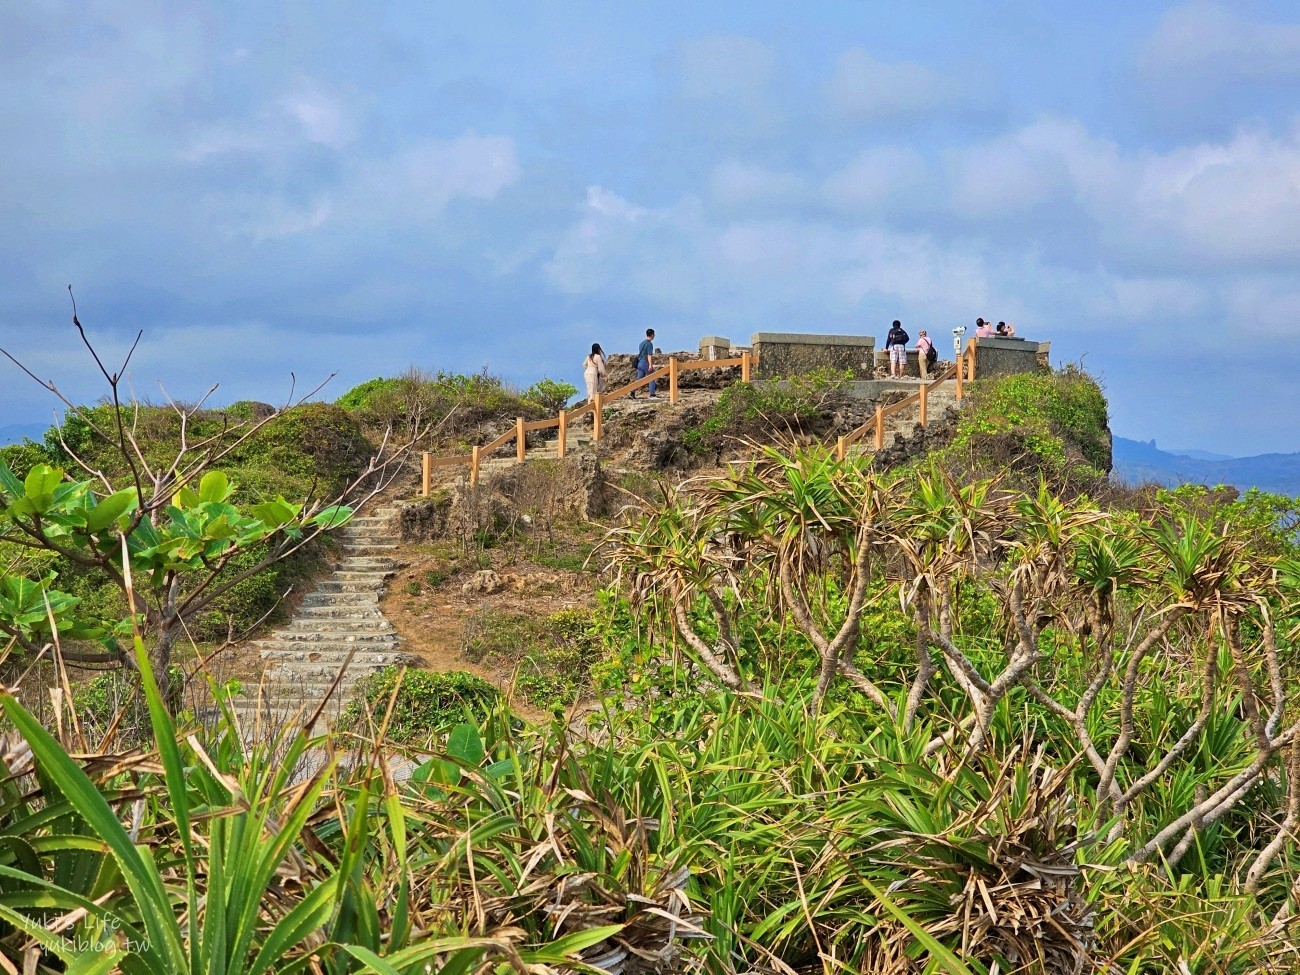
x=593, y=371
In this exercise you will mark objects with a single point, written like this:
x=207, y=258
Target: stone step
x=342, y=646
x=364, y=563
x=333, y=629
x=333, y=634
x=351, y=612
x=368, y=575
x=348, y=587
x=385, y=658
x=361, y=599
x=303, y=674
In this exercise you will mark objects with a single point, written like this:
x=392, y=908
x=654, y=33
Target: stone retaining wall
x=795, y=354
x=1005, y=357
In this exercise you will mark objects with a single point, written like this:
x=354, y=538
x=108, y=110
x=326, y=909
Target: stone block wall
x=1005, y=357
x=794, y=354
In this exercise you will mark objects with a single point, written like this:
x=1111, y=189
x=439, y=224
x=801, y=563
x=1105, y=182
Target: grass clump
x=424, y=703
x=752, y=409
x=552, y=655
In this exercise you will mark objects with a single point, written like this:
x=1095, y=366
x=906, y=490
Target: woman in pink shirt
x=923, y=346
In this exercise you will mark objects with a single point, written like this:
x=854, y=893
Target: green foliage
x=550, y=396
x=551, y=654
x=748, y=409
x=204, y=541
x=1050, y=412
x=22, y=457
x=424, y=703
x=454, y=405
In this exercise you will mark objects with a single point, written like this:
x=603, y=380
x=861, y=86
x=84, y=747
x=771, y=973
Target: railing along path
x=745, y=361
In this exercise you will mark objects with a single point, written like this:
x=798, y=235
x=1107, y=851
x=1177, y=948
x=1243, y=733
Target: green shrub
x=550, y=395
x=426, y=703
x=454, y=405
x=22, y=457
x=1047, y=414
x=747, y=409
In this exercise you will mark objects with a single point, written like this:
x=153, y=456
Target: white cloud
x=418, y=182
x=1227, y=203
x=736, y=184
x=865, y=89
x=876, y=178
x=1259, y=306
x=1051, y=158
x=725, y=67
x=1213, y=42
x=321, y=117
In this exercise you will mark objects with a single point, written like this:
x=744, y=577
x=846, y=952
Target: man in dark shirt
x=645, y=360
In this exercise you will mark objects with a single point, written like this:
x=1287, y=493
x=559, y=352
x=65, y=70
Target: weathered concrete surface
x=715, y=347
x=796, y=353
x=1005, y=357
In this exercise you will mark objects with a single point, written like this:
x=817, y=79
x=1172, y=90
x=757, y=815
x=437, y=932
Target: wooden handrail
x=882, y=413
x=671, y=371
x=963, y=368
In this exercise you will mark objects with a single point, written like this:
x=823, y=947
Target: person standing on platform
x=925, y=354
x=896, y=346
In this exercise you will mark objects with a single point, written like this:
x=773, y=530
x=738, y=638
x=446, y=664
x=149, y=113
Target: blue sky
x=329, y=187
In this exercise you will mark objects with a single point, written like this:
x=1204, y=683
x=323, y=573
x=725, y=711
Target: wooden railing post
x=961, y=367
x=970, y=354
x=473, y=467
x=744, y=367
x=880, y=427
x=595, y=416
x=426, y=474
x=521, y=441
x=564, y=433
x=925, y=392
x=672, y=381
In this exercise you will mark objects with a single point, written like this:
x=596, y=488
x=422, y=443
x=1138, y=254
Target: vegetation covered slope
x=878, y=721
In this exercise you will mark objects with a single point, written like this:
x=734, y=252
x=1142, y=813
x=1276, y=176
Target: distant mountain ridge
x=1139, y=462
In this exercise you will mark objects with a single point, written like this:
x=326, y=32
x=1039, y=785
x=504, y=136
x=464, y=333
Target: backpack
x=898, y=336
x=931, y=354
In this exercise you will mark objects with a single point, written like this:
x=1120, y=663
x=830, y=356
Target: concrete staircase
x=577, y=441
x=906, y=420
x=338, y=625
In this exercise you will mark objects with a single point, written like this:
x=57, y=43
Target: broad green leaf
x=9, y=481
x=465, y=745
x=335, y=516
x=214, y=487
x=109, y=509
x=275, y=513
x=42, y=480
x=571, y=944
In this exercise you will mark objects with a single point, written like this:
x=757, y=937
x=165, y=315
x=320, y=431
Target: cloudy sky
x=331, y=187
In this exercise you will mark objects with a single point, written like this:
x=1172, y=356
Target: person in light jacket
x=593, y=371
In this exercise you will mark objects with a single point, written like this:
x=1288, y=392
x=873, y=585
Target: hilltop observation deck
x=781, y=355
